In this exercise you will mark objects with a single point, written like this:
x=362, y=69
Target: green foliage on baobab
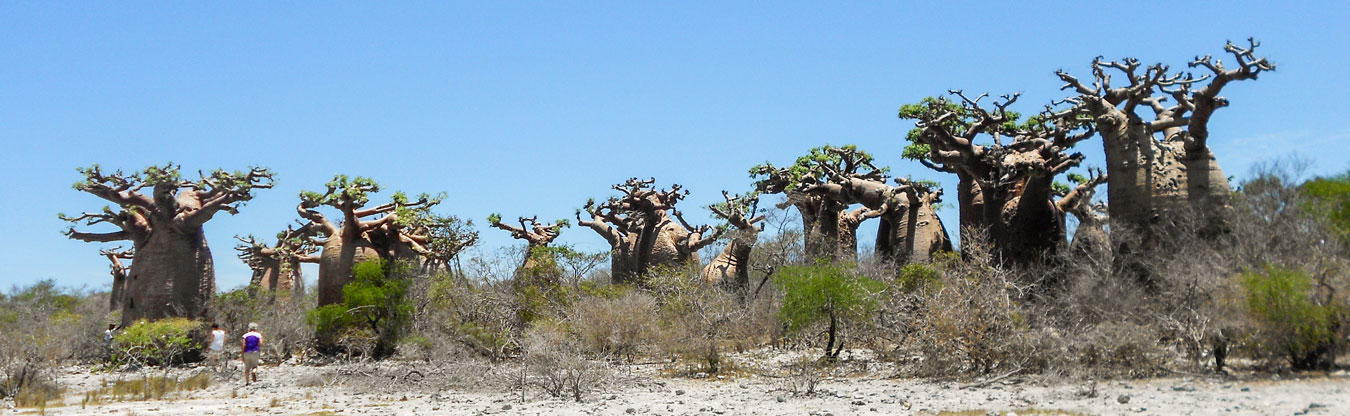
x=342, y=190
x=813, y=167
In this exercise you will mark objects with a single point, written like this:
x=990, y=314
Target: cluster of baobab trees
x=1152, y=120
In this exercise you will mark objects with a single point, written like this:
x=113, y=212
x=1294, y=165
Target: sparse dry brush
x=559, y=366
x=622, y=326
x=44, y=326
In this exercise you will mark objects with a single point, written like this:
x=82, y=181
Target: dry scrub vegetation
x=1264, y=291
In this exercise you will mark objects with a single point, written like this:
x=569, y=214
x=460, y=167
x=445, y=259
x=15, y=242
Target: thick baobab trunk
x=909, y=229
x=1005, y=191
x=671, y=247
x=912, y=234
x=531, y=262
x=817, y=243
x=1028, y=227
x=847, y=247
x=171, y=276
x=970, y=202
x=1089, y=238
x=825, y=231
x=265, y=273
x=335, y=266
x=278, y=274
x=623, y=261
x=1151, y=178
x=118, y=290
x=731, y=267
x=119, y=275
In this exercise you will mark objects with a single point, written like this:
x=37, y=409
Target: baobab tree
x=820, y=214
x=277, y=267
x=1004, y=189
x=642, y=230
x=437, y=238
x=731, y=267
x=171, y=273
x=1161, y=163
x=830, y=179
x=537, y=237
x=402, y=229
x=119, y=274
x=1090, y=235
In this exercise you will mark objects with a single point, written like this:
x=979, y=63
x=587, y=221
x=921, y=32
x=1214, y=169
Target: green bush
x=913, y=277
x=1291, y=323
x=375, y=303
x=1330, y=197
x=158, y=342
x=825, y=293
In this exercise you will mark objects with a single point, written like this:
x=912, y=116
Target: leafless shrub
x=1111, y=348
x=803, y=376
x=558, y=367
x=621, y=326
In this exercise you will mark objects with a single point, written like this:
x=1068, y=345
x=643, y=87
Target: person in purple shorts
x=252, y=345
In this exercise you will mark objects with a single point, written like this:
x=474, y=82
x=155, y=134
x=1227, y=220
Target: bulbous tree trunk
x=913, y=234
x=277, y=274
x=848, y=223
x=119, y=274
x=731, y=267
x=401, y=230
x=623, y=262
x=1089, y=238
x=172, y=275
x=1028, y=226
x=118, y=291
x=335, y=266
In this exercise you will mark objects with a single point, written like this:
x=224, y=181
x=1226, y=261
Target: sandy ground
x=370, y=389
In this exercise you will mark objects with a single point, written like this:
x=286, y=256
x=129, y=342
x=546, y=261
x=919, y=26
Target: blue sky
x=531, y=108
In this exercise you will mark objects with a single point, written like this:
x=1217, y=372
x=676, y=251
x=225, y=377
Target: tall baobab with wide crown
x=731, y=267
x=1163, y=162
x=645, y=230
x=402, y=229
x=277, y=267
x=1005, y=168
x=171, y=272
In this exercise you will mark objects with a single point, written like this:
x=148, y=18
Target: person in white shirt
x=108, y=341
x=215, y=351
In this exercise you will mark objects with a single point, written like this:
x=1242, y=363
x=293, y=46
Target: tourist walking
x=215, y=350
x=252, y=346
